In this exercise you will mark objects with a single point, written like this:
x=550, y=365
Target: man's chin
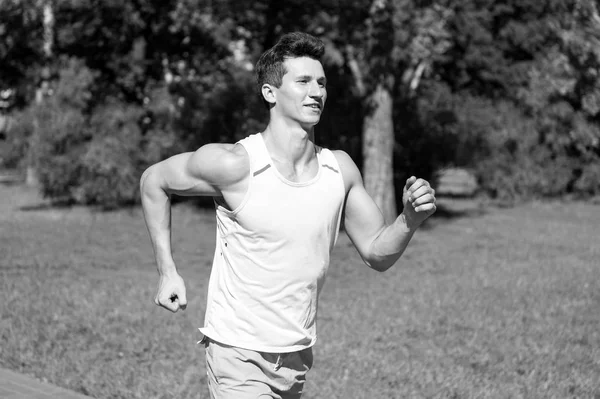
x=313, y=120
x=308, y=125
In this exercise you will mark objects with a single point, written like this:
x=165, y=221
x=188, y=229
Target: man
x=279, y=200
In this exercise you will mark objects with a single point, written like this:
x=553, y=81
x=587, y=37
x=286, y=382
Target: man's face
x=302, y=94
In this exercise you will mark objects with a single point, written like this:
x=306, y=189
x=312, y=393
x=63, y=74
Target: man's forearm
x=156, y=205
x=390, y=244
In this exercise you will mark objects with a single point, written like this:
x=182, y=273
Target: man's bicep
x=203, y=172
x=181, y=175
x=363, y=220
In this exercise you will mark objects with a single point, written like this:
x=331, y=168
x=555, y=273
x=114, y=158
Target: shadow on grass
x=69, y=204
x=45, y=206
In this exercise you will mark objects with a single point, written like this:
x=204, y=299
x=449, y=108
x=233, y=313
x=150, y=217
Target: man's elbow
x=144, y=179
x=149, y=182
x=380, y=265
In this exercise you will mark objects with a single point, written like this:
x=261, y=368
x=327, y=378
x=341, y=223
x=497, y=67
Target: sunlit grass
x=502, y=304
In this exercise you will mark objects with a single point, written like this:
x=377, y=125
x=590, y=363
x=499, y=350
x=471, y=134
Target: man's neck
x=289, y=144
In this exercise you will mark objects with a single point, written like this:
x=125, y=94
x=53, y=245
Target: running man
x=280, y=200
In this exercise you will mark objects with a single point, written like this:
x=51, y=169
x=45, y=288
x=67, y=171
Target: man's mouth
x=314, y=106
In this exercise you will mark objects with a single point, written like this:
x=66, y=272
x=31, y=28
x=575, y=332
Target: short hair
x=270, y=68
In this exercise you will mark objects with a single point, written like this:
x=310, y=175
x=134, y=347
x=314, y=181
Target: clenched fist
x=418, y=199
x=171, y=293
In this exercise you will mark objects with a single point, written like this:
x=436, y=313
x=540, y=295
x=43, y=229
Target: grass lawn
x=503, y=303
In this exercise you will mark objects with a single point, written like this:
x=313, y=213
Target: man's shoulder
x=224, y=152
x=224, y=161
x=345, y=161
x=350, y=172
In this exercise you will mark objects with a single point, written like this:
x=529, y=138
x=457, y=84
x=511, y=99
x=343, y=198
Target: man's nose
x=315, y=90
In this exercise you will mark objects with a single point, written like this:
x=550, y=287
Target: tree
x=415, y=84
x=388, y=47
x=130, y=49
x=21, y=38
x=564, y=96
x=43, y=89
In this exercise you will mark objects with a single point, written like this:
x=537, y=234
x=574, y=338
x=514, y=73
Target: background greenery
x=490, y=303
x=508, y=89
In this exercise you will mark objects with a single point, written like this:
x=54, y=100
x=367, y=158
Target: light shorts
x=236, y=373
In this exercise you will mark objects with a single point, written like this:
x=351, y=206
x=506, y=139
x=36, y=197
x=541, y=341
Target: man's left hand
x=419, y=202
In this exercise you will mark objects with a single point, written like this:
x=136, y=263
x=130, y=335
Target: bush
x=16, y=144
x=60, y=132
x=119, y=152
x=520, y=157
x=426, y=132
x=588, y=182
x=108, y=175
x=221, y=107
x=94, y=154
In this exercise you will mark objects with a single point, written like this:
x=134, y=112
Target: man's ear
x=268, y=93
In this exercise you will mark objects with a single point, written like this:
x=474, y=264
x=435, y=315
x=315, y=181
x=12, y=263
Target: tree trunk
x=378, y=151
x=31, y=176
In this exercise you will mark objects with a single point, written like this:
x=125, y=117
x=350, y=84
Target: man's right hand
x=171, y=293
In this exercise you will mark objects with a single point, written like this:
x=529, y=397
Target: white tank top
x=272, y=255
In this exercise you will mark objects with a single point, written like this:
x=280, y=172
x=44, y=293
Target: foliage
x=172, y=76
x=510, y=163
x=520, y=68
x=555, y=146
x=108, y=174
x=16, y=145
x=93, y=155
x=20, y=48
x=60, y=131
x=427, y=135
x=137, y=88
x=564, y=95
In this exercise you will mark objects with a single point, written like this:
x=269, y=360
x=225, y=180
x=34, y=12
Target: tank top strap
x=328, y=160
x=257, y=152
x=260, y=161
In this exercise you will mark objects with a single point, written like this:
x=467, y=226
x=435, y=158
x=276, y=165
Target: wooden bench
x=455, y=182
